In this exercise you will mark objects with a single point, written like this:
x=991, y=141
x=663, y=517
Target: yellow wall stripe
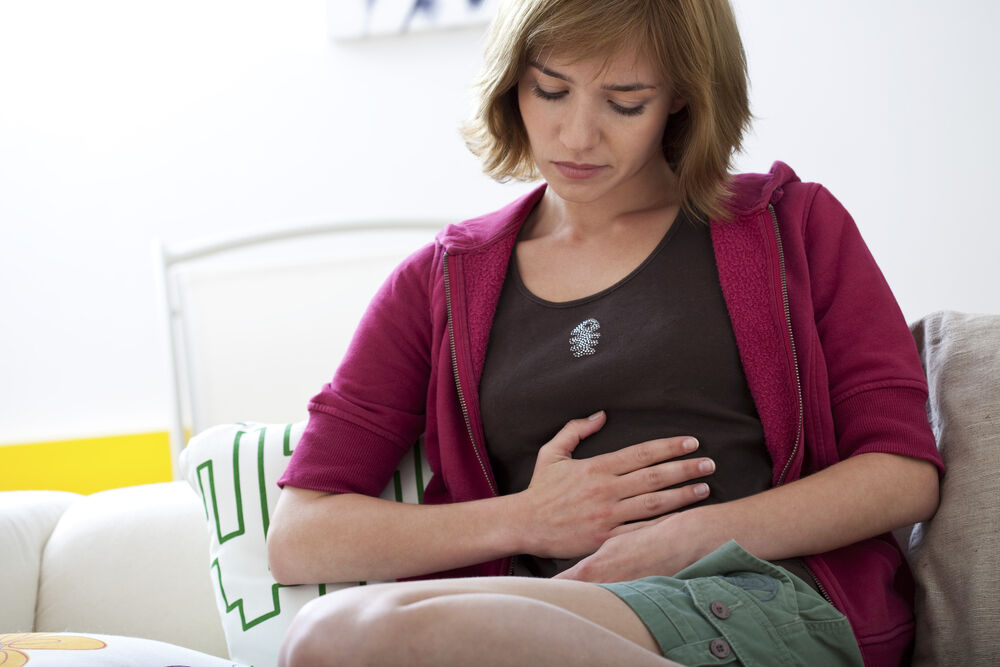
x=86, y=466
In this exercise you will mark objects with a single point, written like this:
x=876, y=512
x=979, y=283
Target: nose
x=580, y=130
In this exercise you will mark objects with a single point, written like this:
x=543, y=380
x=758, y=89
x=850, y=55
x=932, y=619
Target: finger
x=650, y=505
x=663, y=475
x=570, y=435
x=645, y=454
x=636, y=525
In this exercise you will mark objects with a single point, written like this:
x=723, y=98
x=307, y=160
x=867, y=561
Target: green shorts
x=733, y=608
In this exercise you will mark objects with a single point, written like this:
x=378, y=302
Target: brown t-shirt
x=656, y=351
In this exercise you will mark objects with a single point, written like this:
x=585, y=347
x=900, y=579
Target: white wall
x=893, y=105
x=124, y=121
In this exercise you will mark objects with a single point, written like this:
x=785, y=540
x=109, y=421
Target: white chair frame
x=170, y=260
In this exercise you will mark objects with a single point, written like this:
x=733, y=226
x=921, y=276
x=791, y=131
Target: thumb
x=570, y=435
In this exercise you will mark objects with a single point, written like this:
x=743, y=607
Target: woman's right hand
x=573, y=505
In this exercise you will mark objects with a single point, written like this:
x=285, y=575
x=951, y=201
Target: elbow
x=281, y=558
x=925, y=490
x=290, y=551
x=278, y=558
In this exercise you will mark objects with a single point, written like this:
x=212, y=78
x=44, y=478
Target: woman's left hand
x=859, y=497
x=662, y=547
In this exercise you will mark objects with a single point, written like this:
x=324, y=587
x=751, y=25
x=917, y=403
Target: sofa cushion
x=126, y=561
x=234, y=468
x=954, y=556
x=76, y=650
x=26, y=522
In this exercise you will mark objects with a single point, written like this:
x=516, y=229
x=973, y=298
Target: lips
x=578, y=171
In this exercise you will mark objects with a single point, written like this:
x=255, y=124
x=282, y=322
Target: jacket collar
x=486, y=230
x=750, y=267
x=751, y=193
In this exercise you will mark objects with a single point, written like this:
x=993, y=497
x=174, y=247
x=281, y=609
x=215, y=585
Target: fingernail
x=690, y=445
x=595, y=416
x=701, y=490
x=706, y=466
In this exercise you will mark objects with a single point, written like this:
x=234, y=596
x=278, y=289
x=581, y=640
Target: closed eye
x=546, y=95
x=627, y=111
x=540, y=92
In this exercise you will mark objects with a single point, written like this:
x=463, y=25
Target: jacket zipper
x=791, y=339
x=819, y=584
x=461, y=394
x=458, y=381
x=798, y=379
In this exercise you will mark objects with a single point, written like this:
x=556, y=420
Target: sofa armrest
x=27, y=519
x=132, y=561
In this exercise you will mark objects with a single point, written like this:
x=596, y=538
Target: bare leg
x=488, y=621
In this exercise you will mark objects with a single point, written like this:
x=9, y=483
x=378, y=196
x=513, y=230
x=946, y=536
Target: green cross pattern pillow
x=234, y=469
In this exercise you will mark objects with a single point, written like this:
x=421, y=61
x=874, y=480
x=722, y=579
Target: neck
x=586, y=219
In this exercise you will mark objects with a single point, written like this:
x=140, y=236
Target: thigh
x=588, y=601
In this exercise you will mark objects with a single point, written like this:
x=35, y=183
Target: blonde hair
x=694, y=43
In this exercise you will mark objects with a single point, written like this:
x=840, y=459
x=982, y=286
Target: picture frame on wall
x=349, y=19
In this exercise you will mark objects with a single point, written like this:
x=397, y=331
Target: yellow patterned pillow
x=47, y=649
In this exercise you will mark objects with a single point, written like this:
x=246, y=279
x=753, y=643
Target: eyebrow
x=621, y=88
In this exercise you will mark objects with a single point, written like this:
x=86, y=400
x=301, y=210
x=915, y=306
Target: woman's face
x=595, y=126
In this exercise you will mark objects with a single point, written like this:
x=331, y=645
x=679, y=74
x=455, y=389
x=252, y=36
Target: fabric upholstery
x=955, y=555
x=26, y=522
x=118, y=560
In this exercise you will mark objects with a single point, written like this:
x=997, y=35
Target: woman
x=756, y=404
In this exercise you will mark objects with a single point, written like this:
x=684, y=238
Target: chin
x=577, y=191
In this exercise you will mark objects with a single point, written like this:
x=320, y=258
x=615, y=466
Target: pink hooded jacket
x=828, y=357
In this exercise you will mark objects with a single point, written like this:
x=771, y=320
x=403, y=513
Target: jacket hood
x=751, y=193
x=483, y=231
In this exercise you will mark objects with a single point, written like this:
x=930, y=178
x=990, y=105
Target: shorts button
x=720, y=648
x=719, y=610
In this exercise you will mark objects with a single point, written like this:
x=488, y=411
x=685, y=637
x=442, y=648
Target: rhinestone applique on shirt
x=584, y=337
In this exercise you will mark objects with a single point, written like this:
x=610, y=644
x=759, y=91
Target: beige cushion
x=956, y=556
x=26, y=521
x=131, y=562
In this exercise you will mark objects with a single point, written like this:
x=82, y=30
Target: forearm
x=570, y=508
x=857, y=498
x=317, y=537
x=852, y=500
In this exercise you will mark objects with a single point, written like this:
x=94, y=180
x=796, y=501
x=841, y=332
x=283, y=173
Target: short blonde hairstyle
x=694, y=43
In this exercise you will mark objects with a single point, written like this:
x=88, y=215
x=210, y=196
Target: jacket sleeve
x=366, y=418
x=878, y=390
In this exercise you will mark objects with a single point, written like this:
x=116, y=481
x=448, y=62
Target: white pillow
x=49, y=649
x=234, y=468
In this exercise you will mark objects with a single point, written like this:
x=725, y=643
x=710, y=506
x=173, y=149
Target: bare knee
x=357, y=626
x=323, y=632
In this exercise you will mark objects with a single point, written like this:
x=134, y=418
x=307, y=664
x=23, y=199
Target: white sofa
x=138, y=562
x=125, y=562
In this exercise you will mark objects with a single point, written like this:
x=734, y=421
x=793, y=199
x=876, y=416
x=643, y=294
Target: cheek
x=523, y=105
x=531, y=115
x=650, y=138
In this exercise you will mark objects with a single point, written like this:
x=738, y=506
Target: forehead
x=623, y=66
